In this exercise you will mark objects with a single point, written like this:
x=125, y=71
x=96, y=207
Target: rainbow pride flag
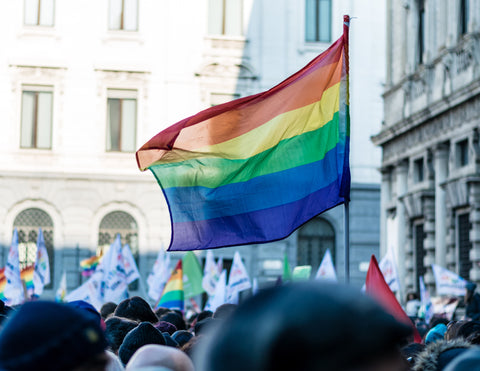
x=89, y=265
x=26, y=275
x=172, y=296
x=255, y=169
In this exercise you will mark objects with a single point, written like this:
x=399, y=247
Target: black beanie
x=45, y=335
x=141, y=335
x=136, y=308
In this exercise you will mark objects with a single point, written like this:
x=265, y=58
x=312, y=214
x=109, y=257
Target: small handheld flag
x=172, y=296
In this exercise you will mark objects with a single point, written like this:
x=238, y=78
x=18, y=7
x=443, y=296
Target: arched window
x=119, y=222
x=314, y=238
x=28, y=223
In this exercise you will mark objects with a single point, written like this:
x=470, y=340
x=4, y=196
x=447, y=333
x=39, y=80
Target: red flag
x=377, y=287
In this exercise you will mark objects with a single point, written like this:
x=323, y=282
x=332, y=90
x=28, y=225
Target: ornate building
x=84, y=84
x=430, y=190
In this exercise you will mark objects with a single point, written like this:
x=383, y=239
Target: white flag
x=426, y=304
x=238, y=279
x=41, y=275
x=220, y=295
x=448, y=282
x=62, y=288
x=13, y=292
x=210, y=274
x=159, y=276
x=113, y=284
x=88, y=292
x=326, y=270
x=389, y=270
x=129, y=265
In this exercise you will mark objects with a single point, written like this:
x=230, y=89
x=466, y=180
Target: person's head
x=175, y=319
x=467, y=361
x=411, y=351
x=468, y=328
x=437, y=320
x=325, y=326
x=204, y=314
x=160, y=311
x=83, y=305
x=469, y=291
x=141, y=335
x=107, y=309
x=224, y=311
x=412, y=296
x=164, y=326
x=435, y=334
x=452, y=329
x=182, y=336
x=136, y=308
x=438, y=355
x=160, y=356
x=44, y=335
x=116, y=328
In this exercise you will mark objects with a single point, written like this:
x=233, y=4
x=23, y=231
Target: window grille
x=314, y=238
x=28, y=223
x=119, y=222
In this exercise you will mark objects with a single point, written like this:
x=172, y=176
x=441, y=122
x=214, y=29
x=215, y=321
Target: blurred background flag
x=41, y=276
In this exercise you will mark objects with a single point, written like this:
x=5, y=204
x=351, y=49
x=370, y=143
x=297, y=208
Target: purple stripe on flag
x=259, y=226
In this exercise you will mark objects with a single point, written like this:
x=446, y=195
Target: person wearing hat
x=45, y=335
x=472, y=302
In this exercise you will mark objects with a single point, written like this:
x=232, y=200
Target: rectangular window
x=418, y=171
x=36, y=125
x=461, y=153
x=39, y=12
x=122, y=121
x=464, y=246
x=421, y=31
x=225, y=17
x=123, y=15
x=464, y=16
x=318, y=16
x=419, y=237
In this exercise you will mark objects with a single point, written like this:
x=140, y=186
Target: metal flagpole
x=347, y=241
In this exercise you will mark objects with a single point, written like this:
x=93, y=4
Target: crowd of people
x=296, y=326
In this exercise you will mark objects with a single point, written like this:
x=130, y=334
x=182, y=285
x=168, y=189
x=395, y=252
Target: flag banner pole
x=347, y=241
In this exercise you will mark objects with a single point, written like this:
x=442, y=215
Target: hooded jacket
x=437, y=355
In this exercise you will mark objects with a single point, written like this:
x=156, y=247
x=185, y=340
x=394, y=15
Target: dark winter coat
x=472, y=309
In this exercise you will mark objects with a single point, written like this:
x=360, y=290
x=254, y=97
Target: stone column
x=429, y=242
x=385, y=195
x=474, y=200
x=441, y=168
x=402, y=188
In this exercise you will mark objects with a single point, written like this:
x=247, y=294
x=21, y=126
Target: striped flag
x=27, y=276
x=254, y=169
x=13, y=292
x=3, y=282
x=172, y=296
x=89, y=265
x=62, y=289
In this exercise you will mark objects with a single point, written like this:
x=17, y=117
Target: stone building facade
x=430, y=188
